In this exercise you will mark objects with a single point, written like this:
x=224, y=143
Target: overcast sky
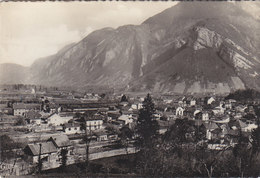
x=30, y=30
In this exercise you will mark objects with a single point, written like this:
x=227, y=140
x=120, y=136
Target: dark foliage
x=20, y=121
x=243, y=95
x=124, y=99
x=7, y=146
x=147, y=126
x=256, y=140
x=64, y=157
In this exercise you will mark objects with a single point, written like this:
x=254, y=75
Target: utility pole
x=39, y=160
x=87, y=149
x=87, y=140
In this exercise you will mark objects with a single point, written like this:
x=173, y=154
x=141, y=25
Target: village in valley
x=44, y=128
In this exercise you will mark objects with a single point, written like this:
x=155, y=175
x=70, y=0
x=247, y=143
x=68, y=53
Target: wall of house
x=179, y=112
x=72, y=130
x=205, y=116
x=102, y=138
x=19, y=112
x=192, y=102
x=94, y=125
x=57, y=120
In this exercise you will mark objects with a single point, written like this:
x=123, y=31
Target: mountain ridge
x=153, y=56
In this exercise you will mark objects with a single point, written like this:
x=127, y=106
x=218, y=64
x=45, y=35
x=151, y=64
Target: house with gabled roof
x=33, y=117
x=209, y=127
x=218, y=110
x=190, y=101
x=238, y=125
x=101, y=135
x=210, y=100
x=72, y=128
x=57, y=119
x=62, y=142
x=6, y=110
x=179, y=111
x=137, y=105
x=47, y=152
x=197, y=110
x=19, y=109
x=169, y=115
x=240, y=108
x=127, y=113
x=126, y=118
x=232, y=136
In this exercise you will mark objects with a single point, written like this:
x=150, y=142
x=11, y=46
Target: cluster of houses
x=216, y=115
x=220, y=121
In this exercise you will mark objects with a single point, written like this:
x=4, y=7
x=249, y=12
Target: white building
x=137, y=106
x=94, y=124
x=250, y=127
x=193, y=102
x=218, y=110
x=179, y=111
x=72, y=128
x=21, y=108
x=197, y=111
x=210, y=100
x=57, y=120
x=205, y=116
x=126, y=119
x=167, y=101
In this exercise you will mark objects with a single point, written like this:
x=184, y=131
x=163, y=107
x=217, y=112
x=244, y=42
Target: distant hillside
x=13, y=74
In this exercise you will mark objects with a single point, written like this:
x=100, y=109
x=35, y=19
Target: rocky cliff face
x=189, y=48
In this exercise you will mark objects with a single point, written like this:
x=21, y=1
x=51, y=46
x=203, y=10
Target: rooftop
x=61, y=140
x=46, y=147
x=25, y=106
x=70, y=125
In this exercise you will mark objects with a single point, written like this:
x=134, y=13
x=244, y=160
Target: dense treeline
x=7, y=147
x=242, y=95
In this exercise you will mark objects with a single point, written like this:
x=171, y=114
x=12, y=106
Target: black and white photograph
x=130, y=89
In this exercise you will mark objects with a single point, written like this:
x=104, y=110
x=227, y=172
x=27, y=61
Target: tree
x=256, y=141
x=243, y=95
x=103, y=95
x=125, y=135
x=6, y=148
x=147, y=132
x=147, y=126
x=20, y=121
x=255, y=137
x=124, y=99
x=64, y=158
x=242, y=154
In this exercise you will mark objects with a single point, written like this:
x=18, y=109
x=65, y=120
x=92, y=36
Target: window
x=45, y=159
